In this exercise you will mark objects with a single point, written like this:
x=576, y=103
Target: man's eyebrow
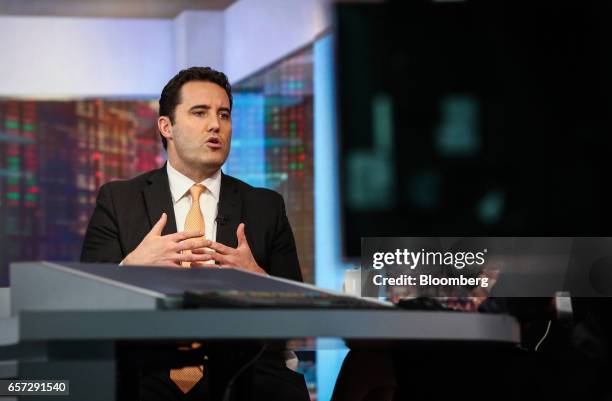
x=199, y=106
x=207, y=107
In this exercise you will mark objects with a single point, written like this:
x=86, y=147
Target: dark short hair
x=171, y=94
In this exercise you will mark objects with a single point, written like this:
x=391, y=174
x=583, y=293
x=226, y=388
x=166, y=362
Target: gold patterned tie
x=186, y=378
x=194, y=220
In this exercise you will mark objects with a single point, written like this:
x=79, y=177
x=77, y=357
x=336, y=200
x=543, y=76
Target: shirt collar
x=180, y=184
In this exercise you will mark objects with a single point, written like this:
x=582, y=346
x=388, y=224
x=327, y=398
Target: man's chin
x=210, y=166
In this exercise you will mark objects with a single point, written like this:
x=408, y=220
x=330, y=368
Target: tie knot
x=196, y=190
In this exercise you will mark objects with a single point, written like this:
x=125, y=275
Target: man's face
x=202, y=129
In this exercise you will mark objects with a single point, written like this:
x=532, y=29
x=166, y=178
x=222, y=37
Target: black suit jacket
x=127, y=210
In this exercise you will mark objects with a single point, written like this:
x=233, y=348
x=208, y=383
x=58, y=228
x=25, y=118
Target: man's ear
x=165, y=127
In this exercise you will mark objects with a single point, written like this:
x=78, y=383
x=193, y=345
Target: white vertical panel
x=200, y=39
x=260, y=32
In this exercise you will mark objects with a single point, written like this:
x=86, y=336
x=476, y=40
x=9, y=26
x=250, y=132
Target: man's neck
x=196, y=175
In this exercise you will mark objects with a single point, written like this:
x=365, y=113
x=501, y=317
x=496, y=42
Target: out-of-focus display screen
x=474, y=118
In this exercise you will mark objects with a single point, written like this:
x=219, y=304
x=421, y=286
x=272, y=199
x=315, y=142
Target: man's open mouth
x=213, y=142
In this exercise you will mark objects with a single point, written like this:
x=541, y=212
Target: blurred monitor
x=474, y=118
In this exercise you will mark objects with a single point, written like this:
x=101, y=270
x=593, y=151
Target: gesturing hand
x=240, y=257
x=158, y=250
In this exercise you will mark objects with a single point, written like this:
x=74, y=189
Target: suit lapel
x=229, y=212
x=158, y=200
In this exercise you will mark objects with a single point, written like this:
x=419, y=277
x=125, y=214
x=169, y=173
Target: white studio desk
x=76, y=336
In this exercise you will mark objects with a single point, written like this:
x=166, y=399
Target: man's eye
x=224, y=116
x=198, y=113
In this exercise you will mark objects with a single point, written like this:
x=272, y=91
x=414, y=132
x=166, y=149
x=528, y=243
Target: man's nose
x=213, y=123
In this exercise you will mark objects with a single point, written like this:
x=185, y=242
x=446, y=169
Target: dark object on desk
x=423, y=303
x=274, y=299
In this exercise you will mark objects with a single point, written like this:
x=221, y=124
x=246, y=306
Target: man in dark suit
x=189, y=214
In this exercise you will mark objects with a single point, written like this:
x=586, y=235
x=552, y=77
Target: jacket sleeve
x=283, y=260
x=101, y=243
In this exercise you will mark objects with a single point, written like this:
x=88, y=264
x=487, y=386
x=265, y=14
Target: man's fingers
x=220, y=248
x=240, y=235
x=183, y=235
x=202, y=250
x=222, y=259
x=192, y=244
x=190, y=257
x=159, y=226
